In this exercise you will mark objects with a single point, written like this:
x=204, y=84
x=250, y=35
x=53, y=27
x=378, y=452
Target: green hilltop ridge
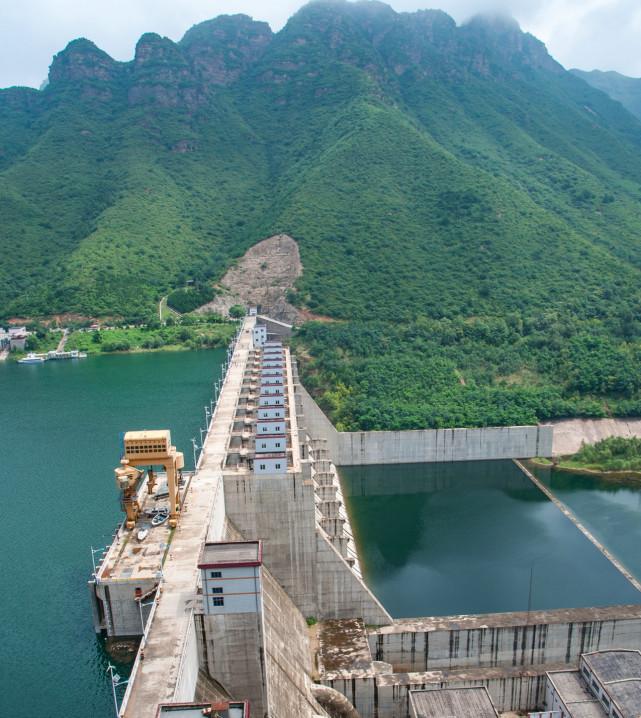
x=626, y=90
x=466, y=209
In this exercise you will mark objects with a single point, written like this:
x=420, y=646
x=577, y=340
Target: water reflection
x=438, y=539
x=610, y=509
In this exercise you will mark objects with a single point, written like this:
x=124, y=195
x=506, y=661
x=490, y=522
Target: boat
x=73, y=354
x=32, y=358
x=160, y=518
x=142, y=533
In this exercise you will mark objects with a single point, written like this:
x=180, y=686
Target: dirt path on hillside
x=569, y=434
x=262, y=278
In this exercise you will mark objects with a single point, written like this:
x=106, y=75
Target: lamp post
x=115, y=682
x=94, y=551
x=207, y=415
x=142, y=622
x=195, y=447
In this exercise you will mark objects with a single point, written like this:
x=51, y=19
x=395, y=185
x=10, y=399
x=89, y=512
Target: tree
x=237, y=311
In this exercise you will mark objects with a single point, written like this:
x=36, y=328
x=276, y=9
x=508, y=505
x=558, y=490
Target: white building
x=270, y=425
x=259, y=335
x=275, y=464
x=271, y=400
x=231, y=577
x=271, y=412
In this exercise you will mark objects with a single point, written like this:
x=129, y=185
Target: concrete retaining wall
x=341, y=593
x=427, y=445
x=387, y=696
x=189, y=668
x=435, y=445
x=509, y=639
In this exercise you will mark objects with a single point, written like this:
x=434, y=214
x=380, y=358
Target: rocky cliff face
x=369, y=36
x=220, y=50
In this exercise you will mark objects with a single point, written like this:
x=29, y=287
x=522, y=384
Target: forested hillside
x=466, y=210
x=626, y=90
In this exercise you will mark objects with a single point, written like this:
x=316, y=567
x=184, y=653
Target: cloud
x=589, y=34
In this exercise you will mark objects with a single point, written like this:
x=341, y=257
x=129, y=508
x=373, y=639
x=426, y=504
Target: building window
x=278, y=428
x=262, y=467
x=263, y=446
x=215, y=574
x=217, y=589
x=278, y=466
x=218, y=601
x=278, y=444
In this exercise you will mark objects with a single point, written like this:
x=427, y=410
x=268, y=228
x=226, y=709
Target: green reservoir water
x=610, y=510
x=59, y=443
x=439, y=539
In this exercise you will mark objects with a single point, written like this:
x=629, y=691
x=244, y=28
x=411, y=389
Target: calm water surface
x=438, y=539
x=610, y=510
x=59, y=443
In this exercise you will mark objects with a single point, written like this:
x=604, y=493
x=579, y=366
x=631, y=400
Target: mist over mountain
x=452, y=189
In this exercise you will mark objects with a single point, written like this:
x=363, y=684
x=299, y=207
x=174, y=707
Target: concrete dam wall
x=426, y=445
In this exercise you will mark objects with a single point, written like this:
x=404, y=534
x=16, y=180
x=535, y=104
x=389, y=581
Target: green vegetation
x=237, y=311
x=626, y=90
x=466, y=209
x=190, y=298
x=197, y=335
x=612, y=454
x=479, y=372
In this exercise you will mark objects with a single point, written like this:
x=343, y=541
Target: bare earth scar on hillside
x=262, y=278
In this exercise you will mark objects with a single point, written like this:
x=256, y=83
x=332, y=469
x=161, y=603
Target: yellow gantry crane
x=148, y=448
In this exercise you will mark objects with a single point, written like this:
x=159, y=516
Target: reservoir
x=60, y=425
x=444, y=539
x=611, y=510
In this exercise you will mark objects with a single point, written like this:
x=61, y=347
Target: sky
x=588, y=34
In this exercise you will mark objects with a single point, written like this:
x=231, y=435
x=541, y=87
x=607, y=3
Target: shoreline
x=631, y=476
x=136, y=350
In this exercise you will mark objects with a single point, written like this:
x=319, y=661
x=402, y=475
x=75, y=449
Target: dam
x=257, y=598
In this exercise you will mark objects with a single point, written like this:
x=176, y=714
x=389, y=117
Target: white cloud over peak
x=603, y=34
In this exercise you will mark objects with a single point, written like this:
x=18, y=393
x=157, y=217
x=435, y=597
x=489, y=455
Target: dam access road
x=157, y=677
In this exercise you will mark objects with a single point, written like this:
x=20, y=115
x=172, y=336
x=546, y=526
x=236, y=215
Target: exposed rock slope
x=262, y=278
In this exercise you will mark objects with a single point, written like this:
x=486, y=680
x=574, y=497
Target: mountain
x=467, y=211
x=626, y=90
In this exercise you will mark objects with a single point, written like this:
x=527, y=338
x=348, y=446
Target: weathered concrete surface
x=428, y=445
x=407, y=447
x=507, y=653
x=288, y=663
x=387, y=695
x=569, y=434
x=163, y=672
x=505, y=639
x=262, y=657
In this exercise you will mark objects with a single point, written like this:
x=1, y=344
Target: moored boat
x=160, y=518
x=142, y=533
x=32, y=358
